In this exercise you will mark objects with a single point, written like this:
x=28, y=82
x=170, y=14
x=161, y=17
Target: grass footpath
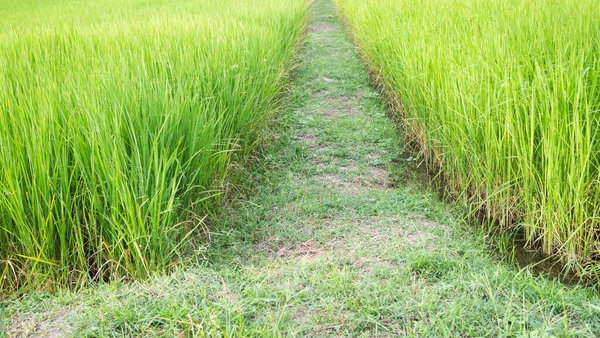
x=337, y=238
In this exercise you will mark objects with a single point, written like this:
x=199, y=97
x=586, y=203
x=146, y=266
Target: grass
x=119, y=123
x=334, y=237
x=503, y=98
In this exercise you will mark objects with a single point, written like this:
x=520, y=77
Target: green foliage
x=298, y=257
x=431, y=266
x=118, y=123
x=503, y=96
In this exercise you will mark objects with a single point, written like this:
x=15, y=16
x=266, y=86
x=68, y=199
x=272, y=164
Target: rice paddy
x=503, y=97
x=119, y=121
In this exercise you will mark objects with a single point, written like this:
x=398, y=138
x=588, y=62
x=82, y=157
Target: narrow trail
x=338, y=239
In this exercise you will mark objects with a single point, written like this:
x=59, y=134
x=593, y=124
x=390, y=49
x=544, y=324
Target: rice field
x=503, y=97
x=119, y=121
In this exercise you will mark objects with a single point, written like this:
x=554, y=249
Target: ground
x=336, y=237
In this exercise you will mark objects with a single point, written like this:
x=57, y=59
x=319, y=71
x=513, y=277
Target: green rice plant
x=503, y=96
x=118, y=123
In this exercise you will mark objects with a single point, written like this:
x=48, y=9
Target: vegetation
x=335, y=239
x=118, y=123
x=503, y=97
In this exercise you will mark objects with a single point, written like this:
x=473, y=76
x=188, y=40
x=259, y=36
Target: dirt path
x=336, y=240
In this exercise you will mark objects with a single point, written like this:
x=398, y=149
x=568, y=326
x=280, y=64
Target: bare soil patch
x=417, y=236
x=310, y=250
x=50, y=328
x=328, y=79
x=330, y=113
x=348, y=168
x=379, y=177
x=376, y=178
x=345, y=106
x=423, y=223
x=306, y=251
x=374, y=156
x=307, y=138
x=322, y=94
x=323, y=28
x=342, y=100
x=320, y=147
x=369, y=264
x=338, y=183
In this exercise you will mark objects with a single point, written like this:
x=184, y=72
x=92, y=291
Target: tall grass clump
x=503, y=96
x=118, y=123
